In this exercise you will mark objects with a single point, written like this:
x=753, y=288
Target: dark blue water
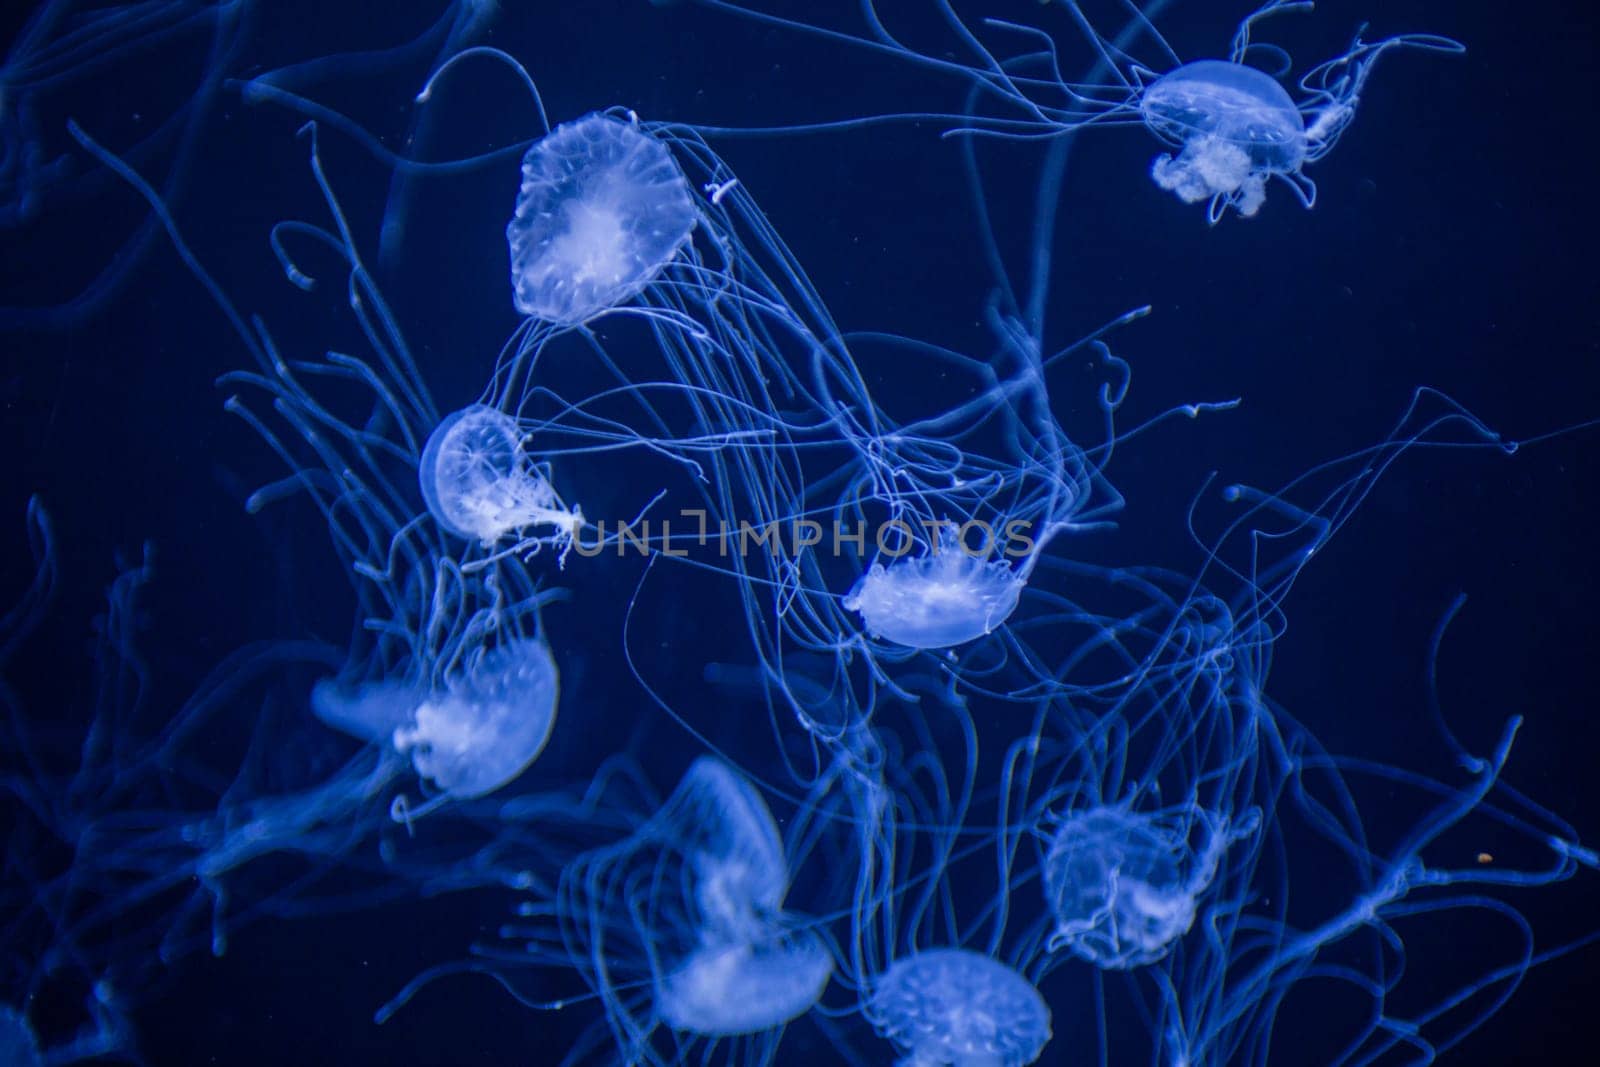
x=1452, y=247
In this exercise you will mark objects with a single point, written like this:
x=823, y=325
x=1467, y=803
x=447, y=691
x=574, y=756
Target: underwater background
x=1452, y=246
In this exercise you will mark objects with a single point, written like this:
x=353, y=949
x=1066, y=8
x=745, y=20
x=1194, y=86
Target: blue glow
x=707, y=568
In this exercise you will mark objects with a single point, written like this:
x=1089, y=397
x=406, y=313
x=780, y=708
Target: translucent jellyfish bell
x=602, y=209
x=481, y=733
x=727, y=989
x=478, y=483
x=1124, y=886
x=953, y=1006
x=689, y=910
x=471, y=737
x=733, y=845
x=746, y=974
x=1237, y=127
x=945, y=598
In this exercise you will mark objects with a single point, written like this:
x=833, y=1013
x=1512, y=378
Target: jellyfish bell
x=1244, y=106
x=680, y=929
x=1236, y=127
x=470, y=737
x=957, y=1007
x=484, y=731
x=1125, y=886
x=739, y=864
x=477, y=482
x=741, y=987
x=939, y=600
x=602, y=208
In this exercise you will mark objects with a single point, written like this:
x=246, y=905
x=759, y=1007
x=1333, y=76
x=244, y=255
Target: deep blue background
x=1453, y=246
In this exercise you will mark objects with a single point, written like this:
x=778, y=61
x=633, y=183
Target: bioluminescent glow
x=902, y=690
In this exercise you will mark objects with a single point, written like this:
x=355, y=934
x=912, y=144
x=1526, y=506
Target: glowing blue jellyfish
x=457, y=677
x=733, y=989
x=1236, y=126
x=959, y=1008
x=680, y=929
x=746, y=973
x=478, y=482
x=601, y=210
x=686, y=923
x=1125, y=886
x=479, y=732
x=449, y=673
x=962, y=526
x=936, y=970
x=945, y=598
x=155, y=821
x=100, y=876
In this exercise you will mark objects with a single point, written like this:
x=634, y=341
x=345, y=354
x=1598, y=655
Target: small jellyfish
x=734, y=848
x=680, y=929
x=602, y=209
x=471, y=736
x=1124, y=885
x=478, y=484
x=944, y=598
x=1237, y=127
x=729, y=989
x=954, y=1006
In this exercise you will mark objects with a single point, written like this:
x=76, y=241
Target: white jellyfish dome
x=1236, y=127
x=952, y=1006
x=938, y=600
x=484, y=731
x=724, y=989
x=732, y=842
x=469, y=738
x=1124, y=885
x=750, y=968
x=601, y=210
x=478, y=483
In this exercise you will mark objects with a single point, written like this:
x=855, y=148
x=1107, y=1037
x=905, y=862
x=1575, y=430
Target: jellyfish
x=955, y=1007
x=1142, y=778
x=456, y=675
x=479, y=732
x=147, y=826
x=680, y=929
x=1236, y=126
x=601, y=210
x=477, y=484
x=1124, y=886
x=945, y=598
x=730, y=989
x=747, y=971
